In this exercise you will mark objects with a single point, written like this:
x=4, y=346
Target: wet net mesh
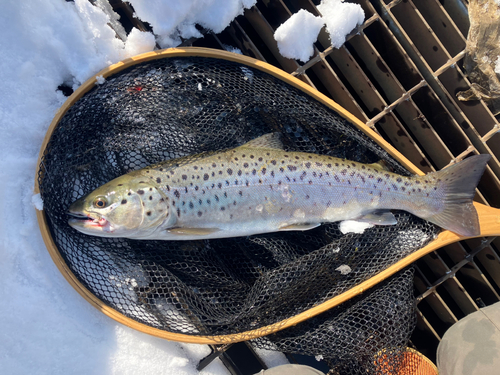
x=179, y=106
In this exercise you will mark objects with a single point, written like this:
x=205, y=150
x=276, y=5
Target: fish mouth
x=78, y=219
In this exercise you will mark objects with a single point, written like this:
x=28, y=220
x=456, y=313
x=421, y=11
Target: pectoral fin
x=300, y=227
x=378, y=218
x=193, y=231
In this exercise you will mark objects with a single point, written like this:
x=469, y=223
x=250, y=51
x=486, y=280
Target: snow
x=46, y=326
x=297, y=35
x=174, y=20
x=353, y=226
x=344, y=269
x=340, y=18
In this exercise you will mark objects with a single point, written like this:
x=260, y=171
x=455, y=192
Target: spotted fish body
x=260, y=188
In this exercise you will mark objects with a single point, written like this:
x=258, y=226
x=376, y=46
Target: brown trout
x=260, y=188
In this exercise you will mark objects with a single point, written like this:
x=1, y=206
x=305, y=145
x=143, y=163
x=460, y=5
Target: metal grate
x=399, y=73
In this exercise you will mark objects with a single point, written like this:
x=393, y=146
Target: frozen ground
x=45, y=326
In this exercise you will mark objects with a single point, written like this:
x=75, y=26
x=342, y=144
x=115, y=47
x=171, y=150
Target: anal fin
x=299, y=227
x=379, y=217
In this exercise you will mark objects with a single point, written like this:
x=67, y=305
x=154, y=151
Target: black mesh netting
x=172, y=107
x=366, y=335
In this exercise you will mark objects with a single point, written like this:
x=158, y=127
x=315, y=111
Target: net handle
x=489, y=218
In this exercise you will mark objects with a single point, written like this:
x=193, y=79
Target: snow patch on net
x=353, y=226
x=344, y=269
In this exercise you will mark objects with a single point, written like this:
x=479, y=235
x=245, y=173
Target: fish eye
x=100, y=202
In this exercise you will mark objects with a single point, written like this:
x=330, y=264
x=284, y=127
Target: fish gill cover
x=180, y=106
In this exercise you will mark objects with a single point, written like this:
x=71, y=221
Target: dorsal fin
x=267, y=141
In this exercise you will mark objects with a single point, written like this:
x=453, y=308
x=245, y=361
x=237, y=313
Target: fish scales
x=279, y=189
x=260, y=188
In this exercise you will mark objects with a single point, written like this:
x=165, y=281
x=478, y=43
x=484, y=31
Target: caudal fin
x=459, y=214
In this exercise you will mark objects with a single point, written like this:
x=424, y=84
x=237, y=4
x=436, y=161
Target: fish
x=259, y=187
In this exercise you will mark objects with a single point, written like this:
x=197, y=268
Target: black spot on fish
x=234, y=203
x=208, y=201
x=206, y=176
x=196, y=188
x=191, y=205
x=219, y=185
x=254, y=172
x=229, y=171
x=343, y=172
x=220, y=172
x=272, y=173
x=161, y=169
x=227, y=183
x=260, y=159
x=251, y=156
x=260, y=181
x=307, y=196
x=177, y=194
x=399, y=179
x=223, y=208
x=200, y=213
x=273, y=162
x=329, y=165
x=236, y=159
x=336, y=178
x=178, y=212
x=403, y=188
x=394, y=186
x=195, y=167
x=213, y=174
x=314, y=174
x=186, y=189
x=417, y=182
x=336, y=164
x=184, y=177
x=173, y=203
x=216, y=197
x=124, y=201
x=308, y=165
x=292, y=168
x=140, y=191
x=158, y=179
x=120, y=184
x=150, y=197
x=282, y=169
x=263, y=171
x=214, y=165
x=240, y=172
x=363, y=167
x=310, y=182
x=225, y=194
x=245, y=165
x=148, y=213
x=304, y=174
x=247, y=183
x=318, y=164
x=285, y=155
x=168, y=188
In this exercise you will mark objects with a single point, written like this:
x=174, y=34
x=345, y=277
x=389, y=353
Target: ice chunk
x=139, y=42
x=297, y=35
x=340, y=18
x=37, y=201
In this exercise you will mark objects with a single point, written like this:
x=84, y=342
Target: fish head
x=123, y=207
